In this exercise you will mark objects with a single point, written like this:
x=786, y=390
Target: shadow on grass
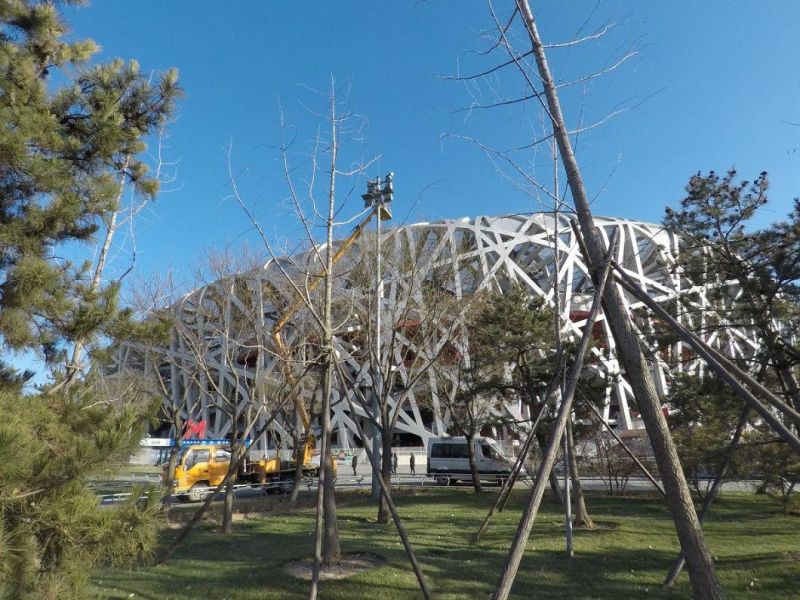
x=628, y=559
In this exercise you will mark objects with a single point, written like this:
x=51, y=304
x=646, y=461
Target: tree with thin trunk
x=221, y=350
x=702, y=572
x=421, y=334
x=541, y=88
x=582, y=518
x=315, y=281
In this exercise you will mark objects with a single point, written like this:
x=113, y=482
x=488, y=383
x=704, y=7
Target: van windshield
x=491, y=452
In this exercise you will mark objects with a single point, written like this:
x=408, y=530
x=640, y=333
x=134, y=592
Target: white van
x=448, y=461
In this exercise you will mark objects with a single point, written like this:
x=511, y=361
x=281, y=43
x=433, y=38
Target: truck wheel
x=442, y=480
x=286, y=486
x=198, y=491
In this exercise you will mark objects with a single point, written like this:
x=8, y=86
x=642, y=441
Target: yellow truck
x=203, y=464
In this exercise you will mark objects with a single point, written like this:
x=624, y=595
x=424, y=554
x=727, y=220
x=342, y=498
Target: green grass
x=754, y=545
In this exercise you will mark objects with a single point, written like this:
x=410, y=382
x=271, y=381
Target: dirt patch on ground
x=352, y=564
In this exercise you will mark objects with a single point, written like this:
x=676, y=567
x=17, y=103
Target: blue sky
x=708, y=88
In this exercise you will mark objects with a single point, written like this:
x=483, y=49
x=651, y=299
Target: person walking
x=355, y=462
x=394, y=463
x=411, y=464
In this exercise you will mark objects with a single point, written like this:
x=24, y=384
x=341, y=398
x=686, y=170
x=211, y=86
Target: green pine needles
x=72, y=138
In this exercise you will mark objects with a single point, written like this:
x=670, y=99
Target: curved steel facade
x=466, y=255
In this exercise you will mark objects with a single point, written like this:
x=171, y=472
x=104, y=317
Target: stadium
x=230, y=320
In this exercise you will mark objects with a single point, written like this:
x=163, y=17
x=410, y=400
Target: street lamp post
x=378, y=198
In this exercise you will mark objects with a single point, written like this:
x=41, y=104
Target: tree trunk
x=328, y=552
x=784, y=369
x=582, y=518
x=541, y=440
x=172, y=463
x=227, y=511
x=299, y=455
x=702, y=572
x=237, y=451
x=677, y=567
x=473, y=466
x=386, y=467
x=74, y=364
x=326, y=535
x=331, y=553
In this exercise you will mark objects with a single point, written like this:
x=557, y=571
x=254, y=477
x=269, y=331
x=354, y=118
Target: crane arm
x=299, y=302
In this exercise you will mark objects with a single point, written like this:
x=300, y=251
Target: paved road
x=362, y=480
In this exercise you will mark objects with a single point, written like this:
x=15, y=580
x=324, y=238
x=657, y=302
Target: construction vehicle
x=376, y=198
x=203, y=465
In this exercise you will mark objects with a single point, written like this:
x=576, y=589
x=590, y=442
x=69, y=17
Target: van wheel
x=441, y=480
x=198, y=491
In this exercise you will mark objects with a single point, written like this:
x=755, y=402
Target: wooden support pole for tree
x=376, y=472
x=627, y=450
x=710, y=356
x=512, y=480
x=551, y=451
x=723, y=360
x=680, y=560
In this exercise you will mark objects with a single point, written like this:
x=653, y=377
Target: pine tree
x=704, y=414
x=719, y=245
x=64, y=153
x=68, y=146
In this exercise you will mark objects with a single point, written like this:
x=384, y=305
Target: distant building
x=460, y=256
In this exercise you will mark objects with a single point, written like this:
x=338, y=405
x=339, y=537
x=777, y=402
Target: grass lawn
x=756, y=549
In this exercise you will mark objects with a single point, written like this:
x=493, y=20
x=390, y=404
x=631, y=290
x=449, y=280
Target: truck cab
x=200, y=467
x=448, y=460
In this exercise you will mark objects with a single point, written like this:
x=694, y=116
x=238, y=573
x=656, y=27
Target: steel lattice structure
x=465, y=255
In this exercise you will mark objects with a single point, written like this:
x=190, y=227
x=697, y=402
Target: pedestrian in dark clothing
x=394, y=463
x=355, y=462
x=411, y=464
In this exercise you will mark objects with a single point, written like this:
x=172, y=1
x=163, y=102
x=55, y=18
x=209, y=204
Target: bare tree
x=702, y=572
x=220, y=336
x=421, y=338
x=541, y=88
x=130, y=171
x=313, y=279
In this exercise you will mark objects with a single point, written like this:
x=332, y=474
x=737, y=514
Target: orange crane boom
x=299, y=302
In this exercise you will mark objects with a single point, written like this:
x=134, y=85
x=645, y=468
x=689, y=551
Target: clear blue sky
x=710, y=87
